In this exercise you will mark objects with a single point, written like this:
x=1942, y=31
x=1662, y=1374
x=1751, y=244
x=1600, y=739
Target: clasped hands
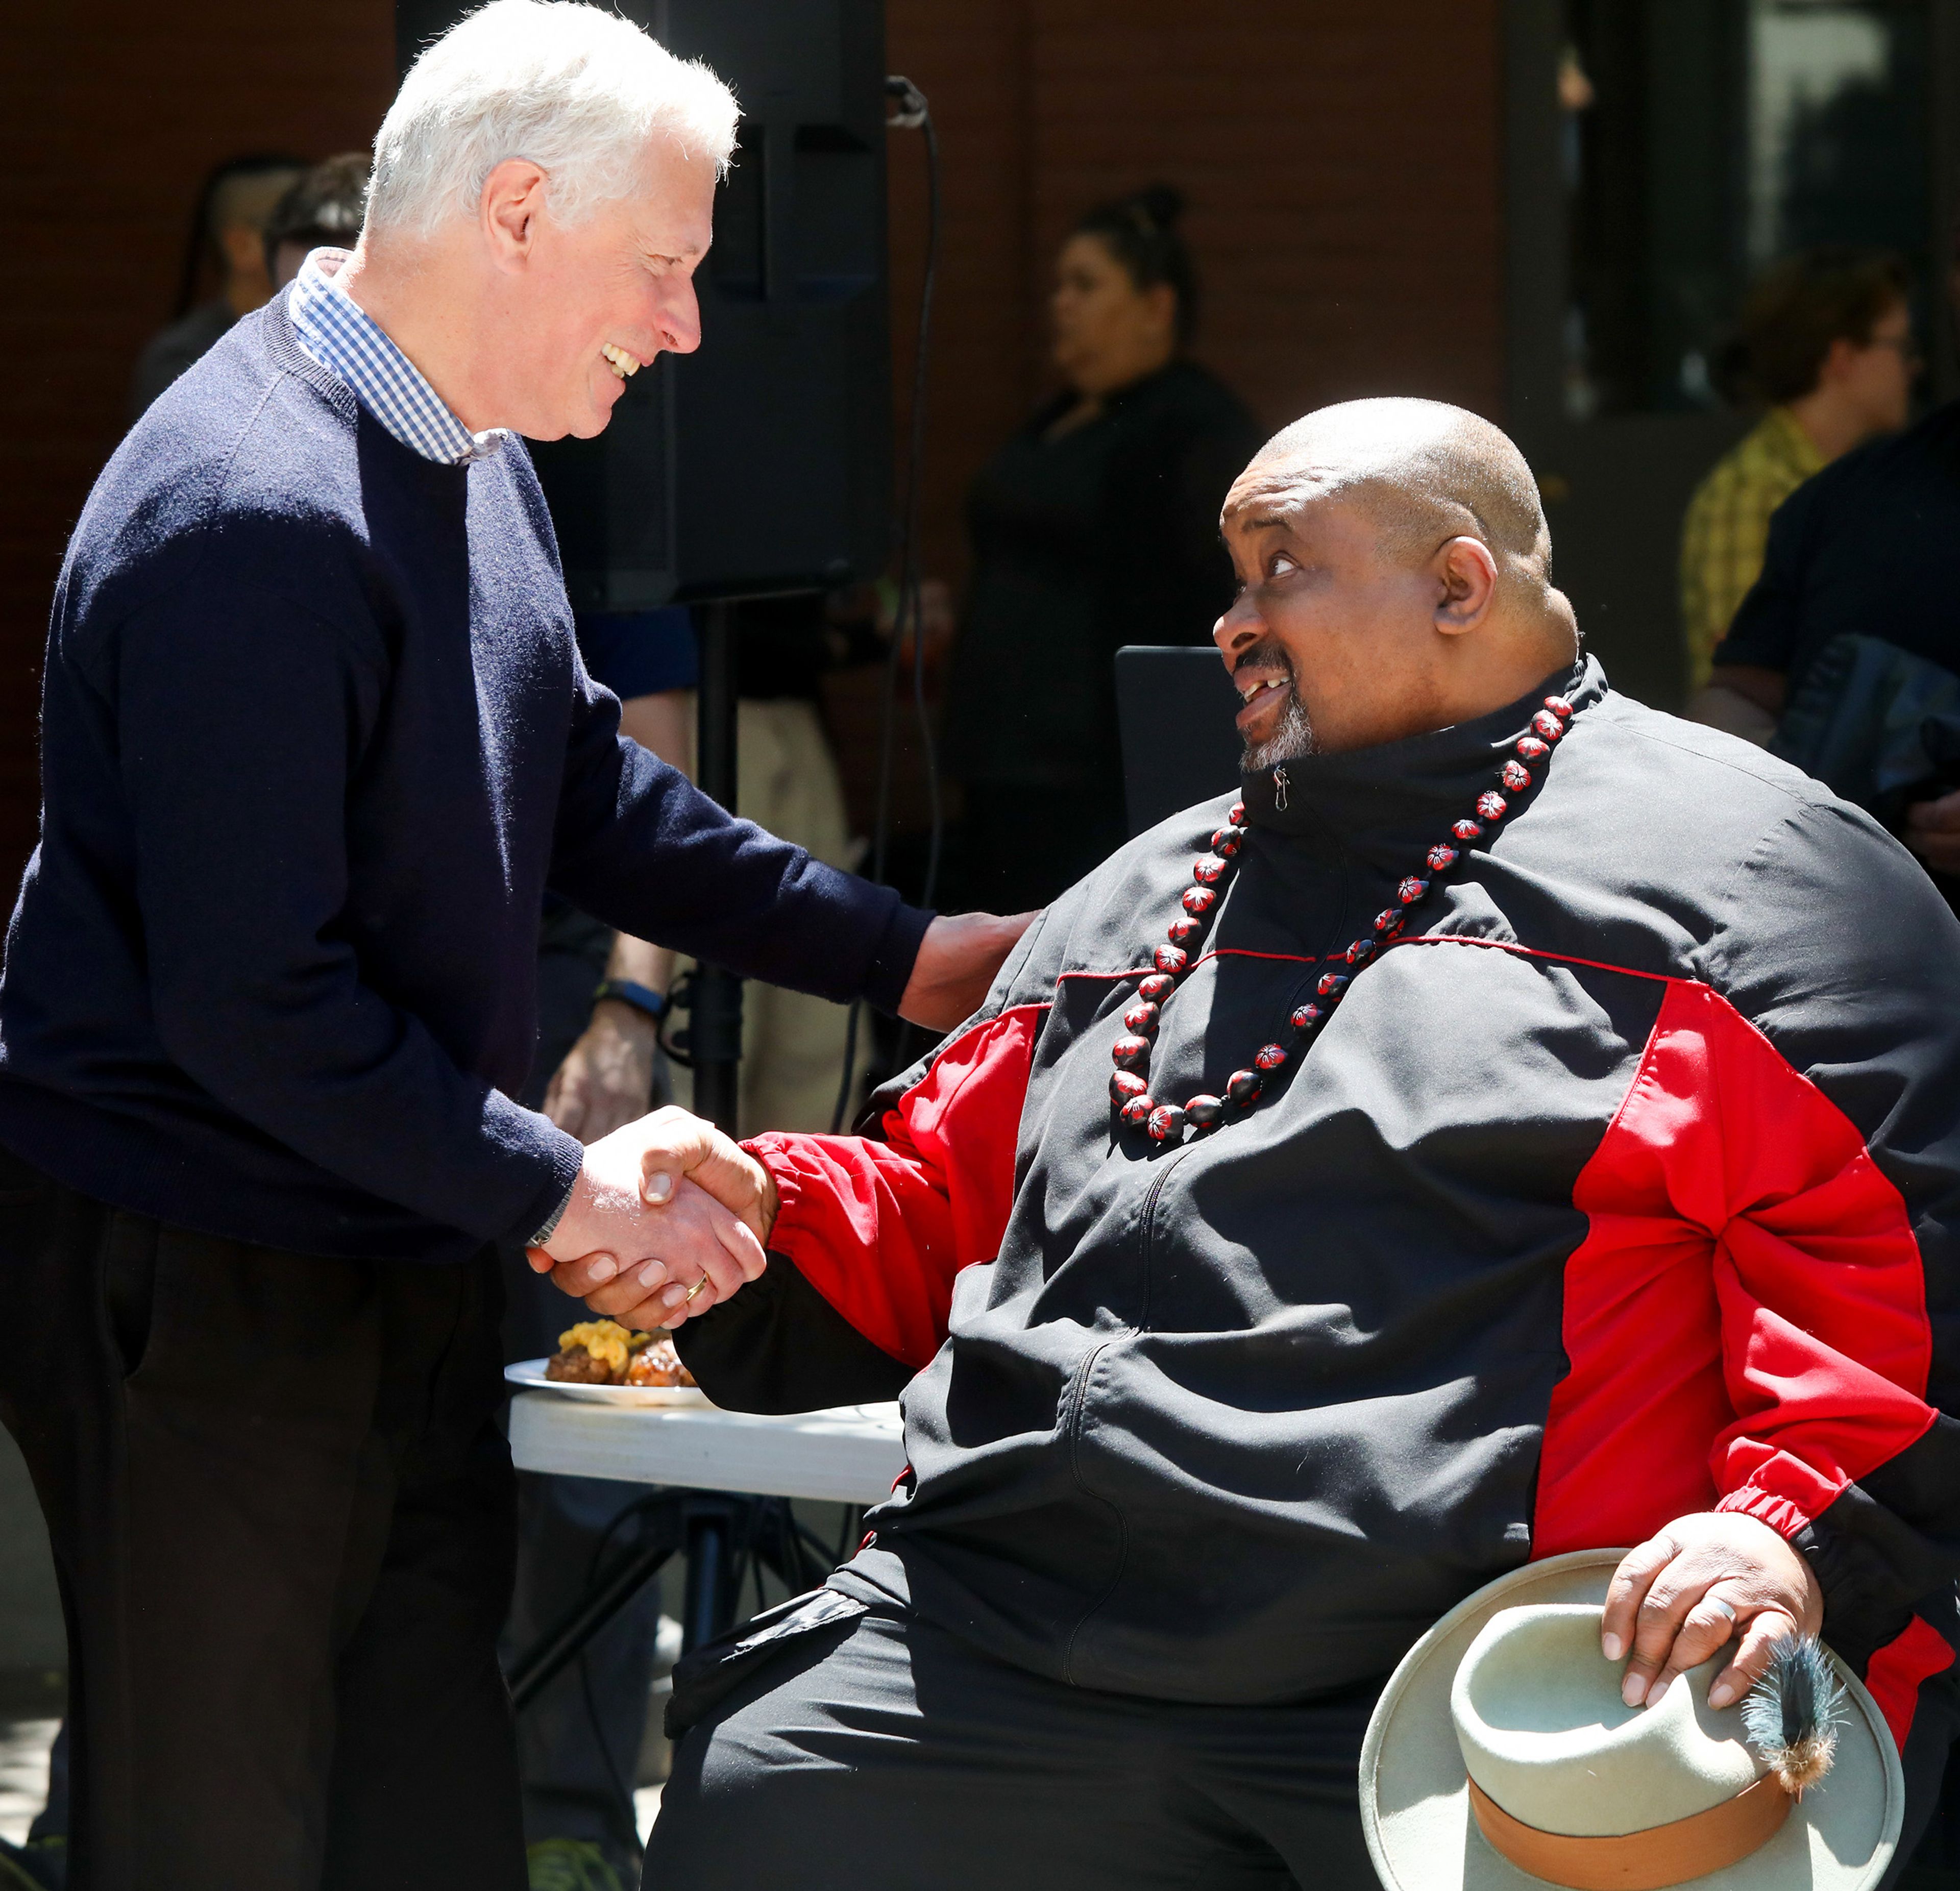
x=669, y=1217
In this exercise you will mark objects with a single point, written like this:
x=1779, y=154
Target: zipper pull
x=1279, y=787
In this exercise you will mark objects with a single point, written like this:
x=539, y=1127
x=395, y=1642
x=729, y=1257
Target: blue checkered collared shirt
x=347, y=341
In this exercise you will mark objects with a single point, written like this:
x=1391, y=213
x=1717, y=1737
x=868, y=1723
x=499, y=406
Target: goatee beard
x=1291, y=740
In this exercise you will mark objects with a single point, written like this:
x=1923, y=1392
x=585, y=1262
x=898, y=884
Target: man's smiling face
x=1328, y=637
x=607, y=294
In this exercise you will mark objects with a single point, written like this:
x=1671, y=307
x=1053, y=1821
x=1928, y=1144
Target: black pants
x=281, y=1519
x=879, y=1753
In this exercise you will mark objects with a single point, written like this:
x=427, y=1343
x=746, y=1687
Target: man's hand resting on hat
x=1677, y=1599
x=957, y=959
x=678, y=1207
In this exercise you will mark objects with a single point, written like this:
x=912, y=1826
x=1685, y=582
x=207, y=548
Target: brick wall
x=111, y=118
x=1342, y=169
x=1341, y=164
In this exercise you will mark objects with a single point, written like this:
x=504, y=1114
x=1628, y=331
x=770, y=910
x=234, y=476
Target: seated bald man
x=1516, y=1122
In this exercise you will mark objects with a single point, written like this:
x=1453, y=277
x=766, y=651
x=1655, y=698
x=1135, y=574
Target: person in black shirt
x=227, y=235
x=1869, y=547
x=1095, y=526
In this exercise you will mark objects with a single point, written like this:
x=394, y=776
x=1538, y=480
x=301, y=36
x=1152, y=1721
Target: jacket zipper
x=1150, y=1225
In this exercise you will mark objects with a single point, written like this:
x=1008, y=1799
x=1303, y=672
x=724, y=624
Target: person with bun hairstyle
x=1826, y=340
x=1094, y=527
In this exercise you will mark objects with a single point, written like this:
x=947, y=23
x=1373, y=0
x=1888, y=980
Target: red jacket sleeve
x=1746, y=1320
x=879, y=1229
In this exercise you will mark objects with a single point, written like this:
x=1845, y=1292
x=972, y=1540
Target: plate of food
x=600, y=1360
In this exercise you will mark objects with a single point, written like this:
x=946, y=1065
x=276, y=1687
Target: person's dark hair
x=1140, y=232
x=1798, y=307
x=324, y=210
x=211, y=199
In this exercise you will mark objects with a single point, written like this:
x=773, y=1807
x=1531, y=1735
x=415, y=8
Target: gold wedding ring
x=694, y=1290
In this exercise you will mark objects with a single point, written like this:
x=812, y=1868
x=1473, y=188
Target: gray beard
x=1291, y=740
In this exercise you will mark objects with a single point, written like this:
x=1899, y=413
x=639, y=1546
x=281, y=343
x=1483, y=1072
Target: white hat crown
x=1545, y=1732
x=1429, y=1826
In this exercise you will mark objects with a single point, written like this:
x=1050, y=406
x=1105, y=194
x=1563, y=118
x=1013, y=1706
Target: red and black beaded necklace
x=1129, y=1087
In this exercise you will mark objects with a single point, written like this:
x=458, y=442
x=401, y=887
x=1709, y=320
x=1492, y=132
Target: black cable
x=633, y=1511
x=911, y=579
x=913, y=112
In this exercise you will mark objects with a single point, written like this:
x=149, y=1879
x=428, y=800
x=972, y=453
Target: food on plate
x=602, y=1352
x=658, y=1364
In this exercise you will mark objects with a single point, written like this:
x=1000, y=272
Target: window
x=1700, y=140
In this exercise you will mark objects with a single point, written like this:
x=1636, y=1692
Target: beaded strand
x=1211, y=873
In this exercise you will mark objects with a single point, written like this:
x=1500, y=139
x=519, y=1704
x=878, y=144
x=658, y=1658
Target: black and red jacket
x=1625, y=1184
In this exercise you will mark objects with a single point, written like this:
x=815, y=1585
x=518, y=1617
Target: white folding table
x=851, y=1454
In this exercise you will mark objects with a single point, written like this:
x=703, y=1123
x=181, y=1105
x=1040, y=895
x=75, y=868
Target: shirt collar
x=345, y=340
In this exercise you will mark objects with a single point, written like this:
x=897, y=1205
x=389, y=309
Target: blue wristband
x=642, y=998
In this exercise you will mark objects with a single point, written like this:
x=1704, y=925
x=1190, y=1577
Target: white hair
x=577, y=90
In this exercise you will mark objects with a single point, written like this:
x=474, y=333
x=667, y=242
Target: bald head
x=1397, y=575
x=1422, y=471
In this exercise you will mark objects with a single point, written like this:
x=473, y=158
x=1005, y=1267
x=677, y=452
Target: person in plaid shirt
x=1827, y=339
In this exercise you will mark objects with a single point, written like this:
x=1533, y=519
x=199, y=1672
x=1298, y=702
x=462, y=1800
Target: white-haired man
x=314, y=718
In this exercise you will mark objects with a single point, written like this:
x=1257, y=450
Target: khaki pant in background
x=792, y=1045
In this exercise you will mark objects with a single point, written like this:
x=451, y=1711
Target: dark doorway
x=1659, y=154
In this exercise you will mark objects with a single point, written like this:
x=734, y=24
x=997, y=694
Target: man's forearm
x=640, y=961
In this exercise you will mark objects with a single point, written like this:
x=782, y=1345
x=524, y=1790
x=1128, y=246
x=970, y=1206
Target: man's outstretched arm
x=638, y=845
x=865, y=1234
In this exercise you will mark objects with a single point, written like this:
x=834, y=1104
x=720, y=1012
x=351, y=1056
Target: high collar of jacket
x=1400, y=794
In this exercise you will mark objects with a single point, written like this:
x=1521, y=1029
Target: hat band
x=1649, y=1860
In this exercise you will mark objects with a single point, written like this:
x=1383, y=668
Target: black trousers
x=281, y=1516
x=879, y=1753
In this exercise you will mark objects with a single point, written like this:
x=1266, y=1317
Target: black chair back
x=1174, y=711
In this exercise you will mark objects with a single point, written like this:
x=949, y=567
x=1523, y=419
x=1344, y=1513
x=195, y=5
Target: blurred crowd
x=1819, y=559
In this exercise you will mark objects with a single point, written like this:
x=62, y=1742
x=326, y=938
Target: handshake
x=669, y=1217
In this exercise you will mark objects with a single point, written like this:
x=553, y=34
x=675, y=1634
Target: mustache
x=1268, y=653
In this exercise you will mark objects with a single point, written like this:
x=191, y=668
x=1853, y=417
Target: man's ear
x=1466, y=577
x=514, y=194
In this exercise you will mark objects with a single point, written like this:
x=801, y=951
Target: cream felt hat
x=1508, y=1698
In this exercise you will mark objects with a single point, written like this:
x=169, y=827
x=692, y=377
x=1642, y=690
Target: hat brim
x=1415, y=1806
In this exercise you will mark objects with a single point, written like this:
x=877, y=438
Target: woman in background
x=1095, y=526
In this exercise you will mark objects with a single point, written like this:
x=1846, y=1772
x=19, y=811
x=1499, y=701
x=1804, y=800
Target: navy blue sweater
x=316, y=740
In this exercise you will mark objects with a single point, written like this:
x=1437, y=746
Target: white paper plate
x=530, y=1374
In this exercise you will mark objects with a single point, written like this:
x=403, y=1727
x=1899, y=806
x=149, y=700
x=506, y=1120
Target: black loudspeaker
x=761, y=462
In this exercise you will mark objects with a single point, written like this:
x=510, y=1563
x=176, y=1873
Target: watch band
x=642, y=998
x=550, y=1228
